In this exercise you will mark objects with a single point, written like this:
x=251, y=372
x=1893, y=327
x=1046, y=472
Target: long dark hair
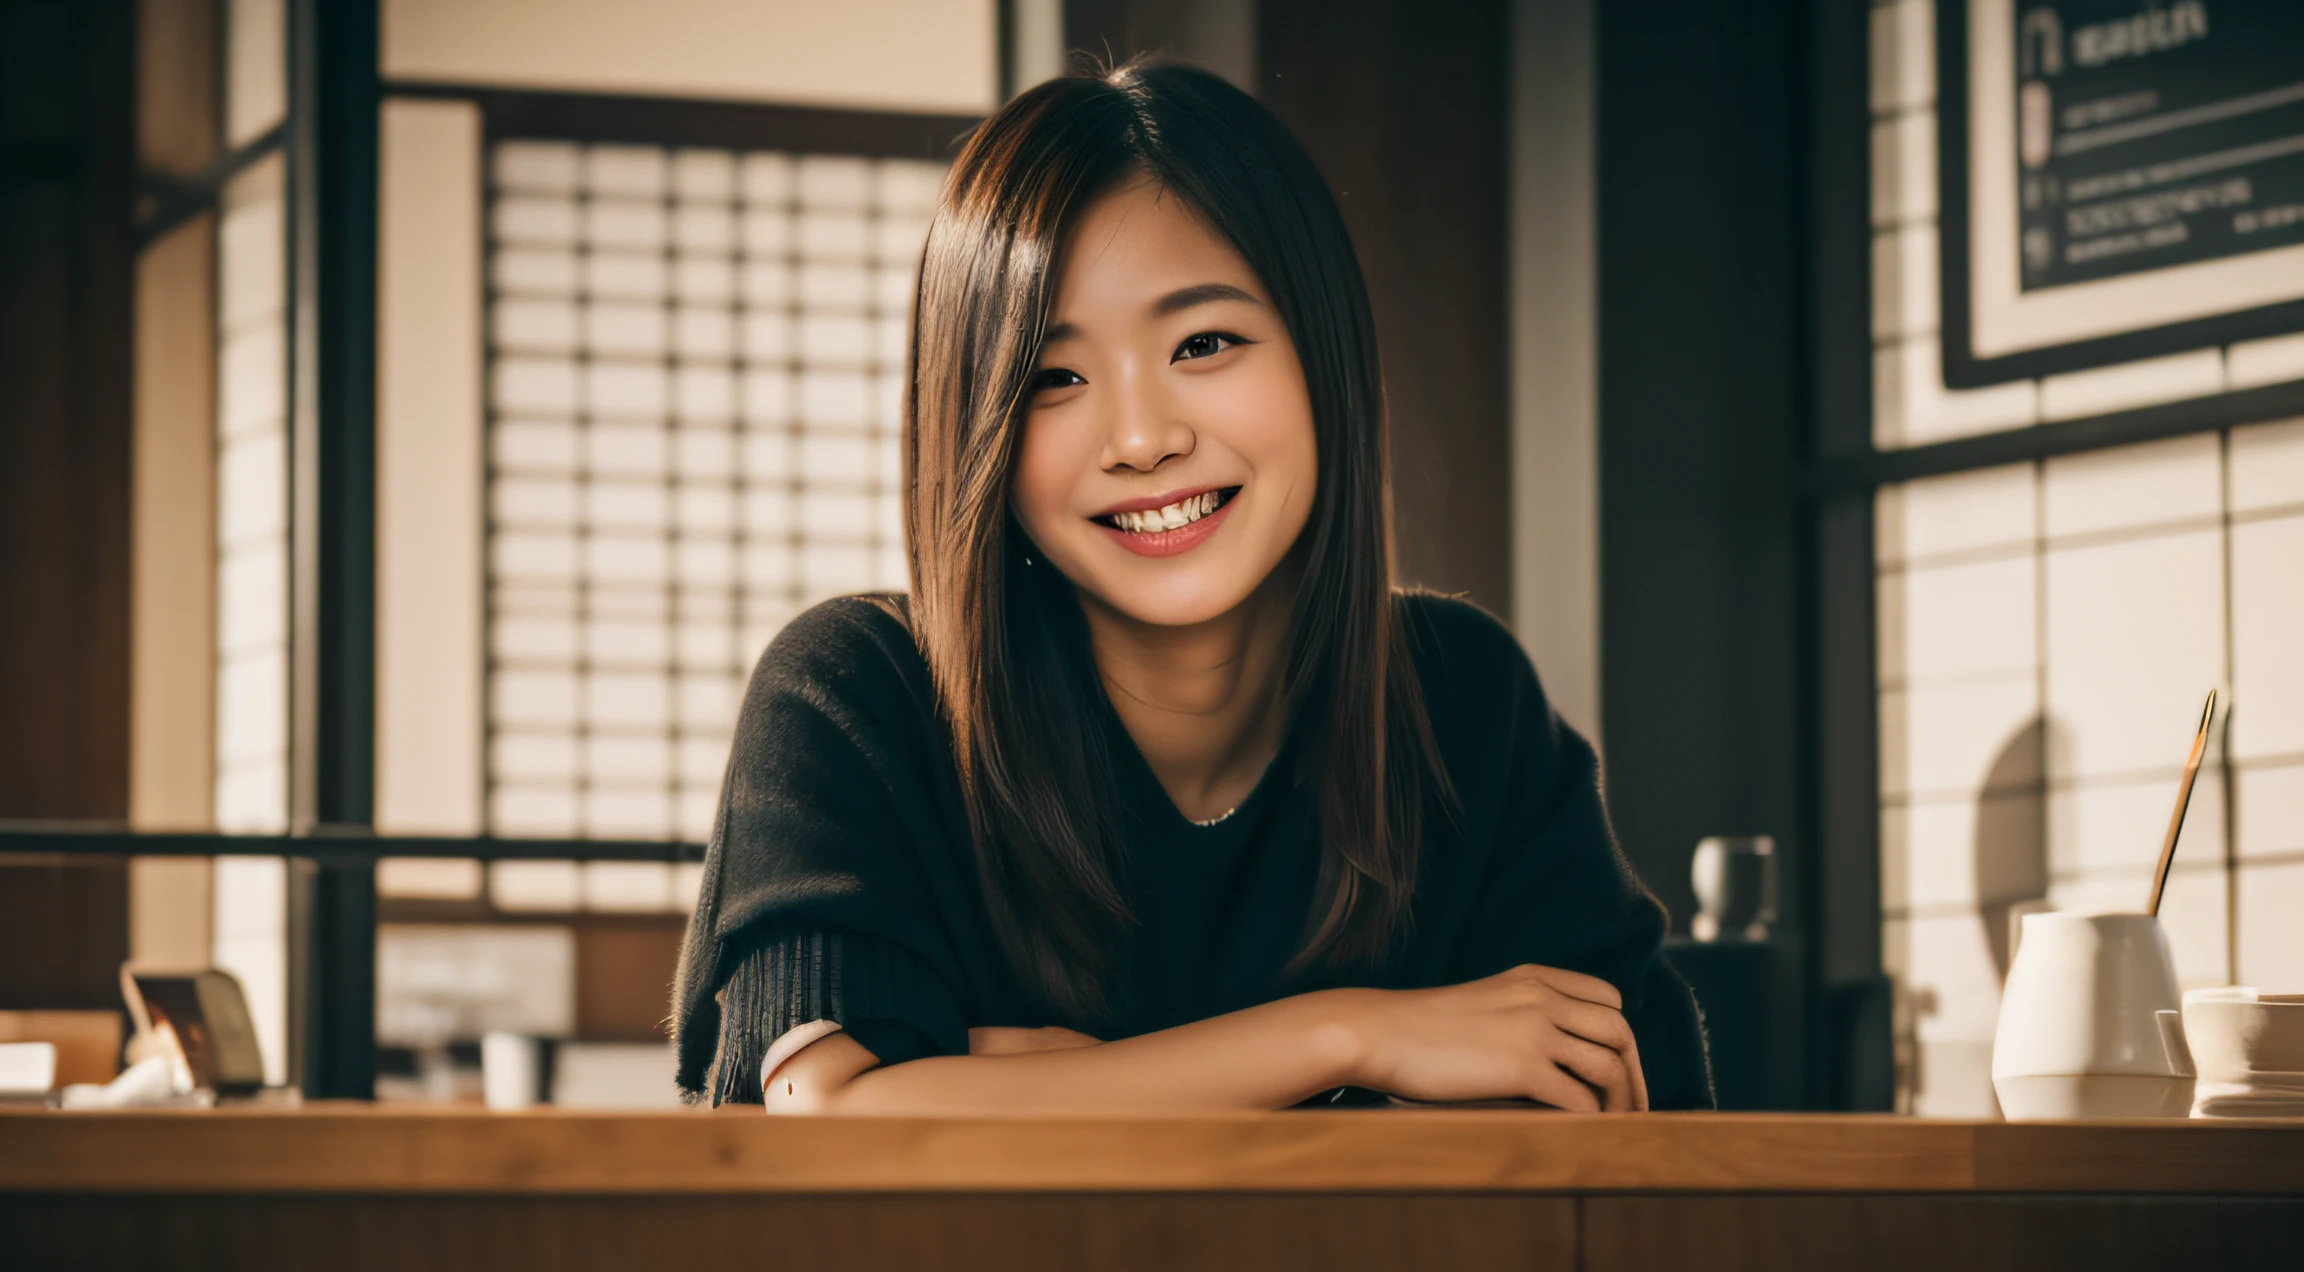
x=1006, y=641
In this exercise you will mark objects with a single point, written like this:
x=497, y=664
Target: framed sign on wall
x=2120, y=179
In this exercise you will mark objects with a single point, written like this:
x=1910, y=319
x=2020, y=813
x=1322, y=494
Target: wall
x=1217, y=34
x=929, y=55
x=2046, y=634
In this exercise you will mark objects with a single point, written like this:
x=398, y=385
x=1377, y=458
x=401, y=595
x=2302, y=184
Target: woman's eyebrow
x=1200, y=294
x=1181, y=298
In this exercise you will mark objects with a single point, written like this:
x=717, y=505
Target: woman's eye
x=1206, y=344
x=1055, y=378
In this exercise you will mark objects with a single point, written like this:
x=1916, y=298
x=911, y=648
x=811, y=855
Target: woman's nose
x=1143, y=430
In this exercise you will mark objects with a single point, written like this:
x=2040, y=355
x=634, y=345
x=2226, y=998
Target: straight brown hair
x=1006, y=641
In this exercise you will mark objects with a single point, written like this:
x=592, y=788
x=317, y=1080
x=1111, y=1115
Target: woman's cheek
x=1042, y=487
x=1271, y=422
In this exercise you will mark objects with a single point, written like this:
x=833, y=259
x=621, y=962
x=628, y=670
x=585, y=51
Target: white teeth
x=1173, y=517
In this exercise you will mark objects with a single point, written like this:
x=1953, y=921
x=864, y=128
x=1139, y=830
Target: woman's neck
x=1202, y=703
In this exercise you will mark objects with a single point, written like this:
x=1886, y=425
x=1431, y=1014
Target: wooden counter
x=363, y=1187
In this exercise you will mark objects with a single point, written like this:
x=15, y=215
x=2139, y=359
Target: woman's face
x=1168, y=462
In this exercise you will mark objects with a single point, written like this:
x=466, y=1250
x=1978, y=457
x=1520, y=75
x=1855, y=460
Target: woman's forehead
x=1139, y=242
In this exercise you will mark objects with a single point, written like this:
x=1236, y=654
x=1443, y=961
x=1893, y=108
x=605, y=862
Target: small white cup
x=510, y=1068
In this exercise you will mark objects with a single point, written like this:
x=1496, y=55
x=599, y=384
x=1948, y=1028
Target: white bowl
x=2249, y=1050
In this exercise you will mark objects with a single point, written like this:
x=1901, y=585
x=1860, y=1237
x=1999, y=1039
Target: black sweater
x=840, y=883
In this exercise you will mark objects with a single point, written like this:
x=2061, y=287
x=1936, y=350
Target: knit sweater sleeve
x=880, y=994
x=833, y=885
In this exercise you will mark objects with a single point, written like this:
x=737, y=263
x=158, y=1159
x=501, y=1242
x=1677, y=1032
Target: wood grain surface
x=1010, y=1232
x=364, y=1149
x=1970, y=1233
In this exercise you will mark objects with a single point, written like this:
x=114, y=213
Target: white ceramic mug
x=2090, y=1022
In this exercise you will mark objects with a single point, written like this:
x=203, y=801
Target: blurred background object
x=1734, y=877
x=1745, y=974
x=87, y=1043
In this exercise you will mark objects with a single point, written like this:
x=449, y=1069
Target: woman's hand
x=1535, y=1032
x=1003, y=1041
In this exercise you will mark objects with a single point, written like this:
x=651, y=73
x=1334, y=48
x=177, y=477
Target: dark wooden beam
x=67, y=254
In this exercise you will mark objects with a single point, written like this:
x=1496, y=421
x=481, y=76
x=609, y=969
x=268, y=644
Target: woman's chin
x=1176, y=598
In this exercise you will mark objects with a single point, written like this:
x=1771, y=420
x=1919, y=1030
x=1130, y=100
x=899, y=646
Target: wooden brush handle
x=2183, y=801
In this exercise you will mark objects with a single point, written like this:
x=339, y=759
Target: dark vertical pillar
x=1850, y=1051
x=332, y=971
x=1850, y=1048
x=346, y=109
x=67, y=259
x=1702, y=355
x=334, y=102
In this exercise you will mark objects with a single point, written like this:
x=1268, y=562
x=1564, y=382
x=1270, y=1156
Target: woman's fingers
x=1591, y=1008
x=1607, y=1027
x=1595, y=1023
x=1600, y=1068
x=1592, y=1022
x=1551, y=1035
x=1562, y=1090
x=1591, y=989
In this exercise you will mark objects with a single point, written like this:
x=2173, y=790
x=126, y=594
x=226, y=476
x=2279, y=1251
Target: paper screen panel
x=696, y=372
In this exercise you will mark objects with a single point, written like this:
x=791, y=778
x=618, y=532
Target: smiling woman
x=1155, y=753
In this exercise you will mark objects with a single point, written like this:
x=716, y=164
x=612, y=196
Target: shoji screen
x=696, y=362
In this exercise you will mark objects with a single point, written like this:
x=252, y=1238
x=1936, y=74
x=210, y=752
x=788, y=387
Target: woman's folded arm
x=1269, y=1056
x=1528, y=1032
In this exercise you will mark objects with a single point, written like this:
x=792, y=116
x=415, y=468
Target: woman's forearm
x=1263, y=1057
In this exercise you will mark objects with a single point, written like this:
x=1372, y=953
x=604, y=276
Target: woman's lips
x=1168, y=543
x=1152, y=502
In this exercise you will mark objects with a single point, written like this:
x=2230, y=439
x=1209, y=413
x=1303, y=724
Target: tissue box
x=27, y=1070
